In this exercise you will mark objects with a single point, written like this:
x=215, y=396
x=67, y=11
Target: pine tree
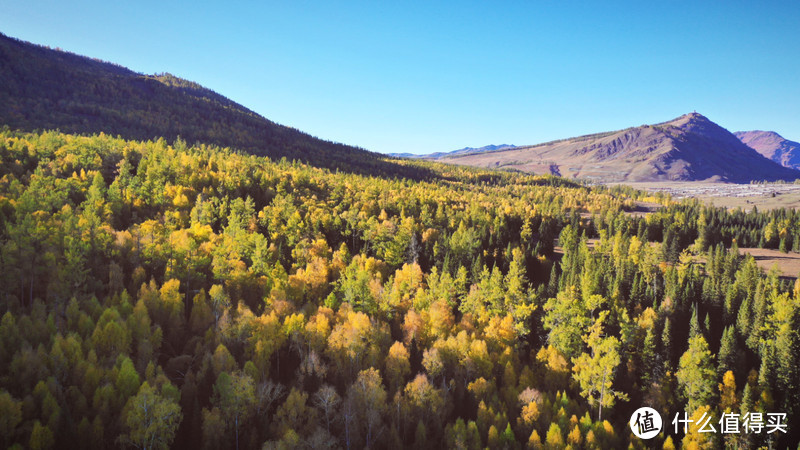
x=649, y=358
x=728, y=351
x=666, y=344
x=694, y=324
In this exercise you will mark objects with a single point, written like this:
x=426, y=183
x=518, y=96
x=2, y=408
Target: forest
x=158, y=294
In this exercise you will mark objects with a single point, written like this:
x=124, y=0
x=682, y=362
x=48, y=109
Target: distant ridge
x=688, y=148
x=42, y=88
x=461, y=151
x=471, y=150
x=773, y=146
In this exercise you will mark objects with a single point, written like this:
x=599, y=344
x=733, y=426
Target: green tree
x=782, y=347
x=595, y=371
x=365, y=406
x=219, y=302
x=41, y=437
x=728, y=351
x=235, y=396
x=127, y=379
x=566, y=316
x=10, y=417
x=696, y=374
x=152, y=419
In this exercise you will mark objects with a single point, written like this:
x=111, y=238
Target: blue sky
x=421, y=77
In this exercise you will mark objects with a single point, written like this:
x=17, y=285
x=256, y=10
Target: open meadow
x=788, y=263
x=730, y=195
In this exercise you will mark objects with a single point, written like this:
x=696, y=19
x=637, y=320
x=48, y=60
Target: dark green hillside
x=43, y=88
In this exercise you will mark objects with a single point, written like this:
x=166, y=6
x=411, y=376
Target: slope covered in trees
x=155, y=294
x=45, y=89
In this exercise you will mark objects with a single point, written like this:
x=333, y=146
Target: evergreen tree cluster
x=157, y=294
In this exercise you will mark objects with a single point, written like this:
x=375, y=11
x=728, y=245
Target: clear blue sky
x=435, y=76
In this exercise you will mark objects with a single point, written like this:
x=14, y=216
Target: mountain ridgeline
x=773, y=146
x=461, y=151
x=44, y=88
x=689, y=148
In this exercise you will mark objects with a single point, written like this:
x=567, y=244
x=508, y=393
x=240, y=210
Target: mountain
x=461, y=151
x=472, y=150
x=43, y=88
x=773, y=146
x=689, y=148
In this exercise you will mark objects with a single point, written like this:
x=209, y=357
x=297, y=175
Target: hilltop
x=773, y=146
x=688, y=148
x=45, y=88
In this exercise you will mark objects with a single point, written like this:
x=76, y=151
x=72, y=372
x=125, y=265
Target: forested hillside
x=155, y=294
x=46, y=89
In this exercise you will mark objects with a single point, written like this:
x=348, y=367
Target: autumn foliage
x=160, y=295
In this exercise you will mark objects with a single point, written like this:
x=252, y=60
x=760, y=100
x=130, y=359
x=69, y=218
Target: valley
x=764, y=196
x=177, y=271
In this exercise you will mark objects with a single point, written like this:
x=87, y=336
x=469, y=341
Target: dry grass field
x=788, y=263
x=729, y=195
x=780, y=200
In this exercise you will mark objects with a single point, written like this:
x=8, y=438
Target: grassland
x=788, y=263
x=729, y=195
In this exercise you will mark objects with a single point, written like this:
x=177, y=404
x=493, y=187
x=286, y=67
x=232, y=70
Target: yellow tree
x=425, y=400
x=697, y=439
x=696, y=373
x=397, y=366
x=595, y=371
x=728, y=401
x=356, y=342
x=265, y=339
x=295, y=414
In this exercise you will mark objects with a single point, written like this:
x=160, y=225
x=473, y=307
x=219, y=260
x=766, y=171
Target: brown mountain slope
x=42, y=88
x=773, y=146
x=689, y=148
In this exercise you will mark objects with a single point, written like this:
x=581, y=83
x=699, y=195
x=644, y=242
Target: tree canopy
x=158, y=294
